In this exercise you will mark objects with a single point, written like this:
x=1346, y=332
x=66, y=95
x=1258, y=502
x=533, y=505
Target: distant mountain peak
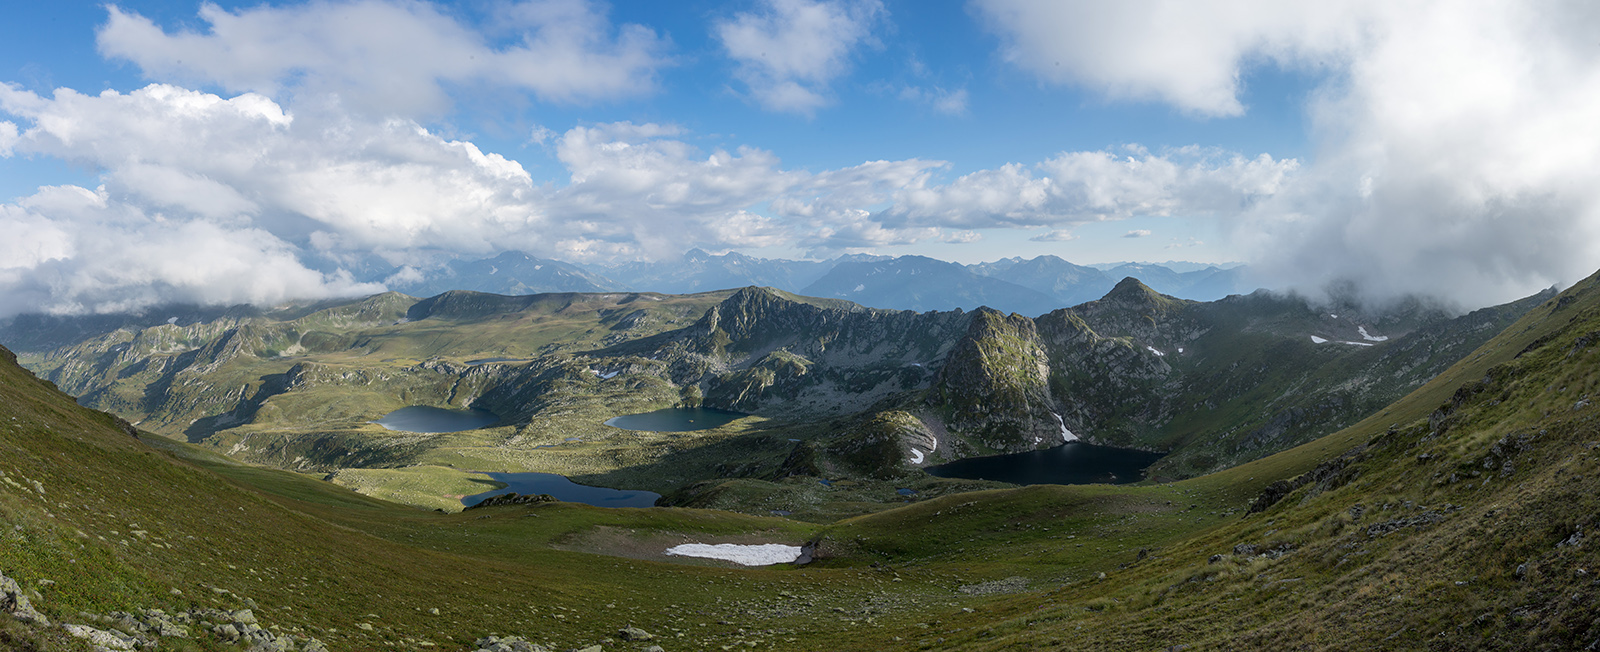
x=1132, y=290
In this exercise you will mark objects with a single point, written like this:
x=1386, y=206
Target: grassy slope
x=119, y=523
x=1445, y=576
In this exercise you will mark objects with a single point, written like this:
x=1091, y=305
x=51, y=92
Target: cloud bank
x=1455, y=141
x=299, y=193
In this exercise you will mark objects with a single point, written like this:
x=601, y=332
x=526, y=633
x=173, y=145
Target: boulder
x=101, y=639
x=13, y=601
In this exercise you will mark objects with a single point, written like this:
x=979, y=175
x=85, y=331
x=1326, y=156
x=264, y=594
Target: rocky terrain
x=1457, y=517
x=1210, y=384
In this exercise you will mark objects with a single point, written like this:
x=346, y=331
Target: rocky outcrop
x=508, y=644
x=15, y=601
x=514, y=498
x=145, y=629
x=995, y=386
x=878, y=446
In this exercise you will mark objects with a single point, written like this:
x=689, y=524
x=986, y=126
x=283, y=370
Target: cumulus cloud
x=391, y=56
x=789, y=51
x=1076, y=187
x=1456, y=145
x=303, y=193
x=8, y=137
x=79, y=251
x=1184, y=53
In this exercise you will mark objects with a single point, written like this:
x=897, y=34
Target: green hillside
x=1460, y=517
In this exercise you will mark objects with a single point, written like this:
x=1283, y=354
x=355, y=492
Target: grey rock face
x=508, y=644
x=16, y=603
x=102, y=640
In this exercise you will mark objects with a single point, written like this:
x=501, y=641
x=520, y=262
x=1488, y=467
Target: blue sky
x=1285, y=135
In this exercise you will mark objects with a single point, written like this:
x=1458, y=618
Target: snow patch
x=1334, y=316
x=1066, y=435
x=763, y=554
x=1357, y=343
x=172, y=320
x=605, y=376
x=1369, y=337
x=916, y=456
x=1180, y=349
x=1153, y=350
x=1318, y=340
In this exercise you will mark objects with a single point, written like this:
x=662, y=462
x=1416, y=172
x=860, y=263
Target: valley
x=1473, y=488
x=799, y=326
x=835, y=391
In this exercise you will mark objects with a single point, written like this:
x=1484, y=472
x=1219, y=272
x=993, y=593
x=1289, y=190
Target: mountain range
x=1458, y=516
x=1031, y=287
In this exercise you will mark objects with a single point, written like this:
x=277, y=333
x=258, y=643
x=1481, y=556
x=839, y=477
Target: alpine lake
x=1070, y=463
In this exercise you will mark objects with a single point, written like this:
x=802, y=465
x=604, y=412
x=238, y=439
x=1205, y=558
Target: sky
x=261, y=152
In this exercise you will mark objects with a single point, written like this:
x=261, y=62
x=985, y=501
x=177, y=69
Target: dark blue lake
x=1069, y=463
x=676, y=420
x=565, y=490
x=420, y=418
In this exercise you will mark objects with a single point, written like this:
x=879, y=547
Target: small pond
x=676, y=420
x=1069, y=463
x=564, y=490
x=421, y=418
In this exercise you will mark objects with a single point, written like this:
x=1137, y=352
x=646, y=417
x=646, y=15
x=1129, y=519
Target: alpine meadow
x=593, y=326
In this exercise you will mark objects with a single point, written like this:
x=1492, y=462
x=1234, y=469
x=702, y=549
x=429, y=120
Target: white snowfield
x=1153, y=350
x=916, y=456
x=762, y=554
x=1318, y=340
x=1371, y=338
x=1066, y=435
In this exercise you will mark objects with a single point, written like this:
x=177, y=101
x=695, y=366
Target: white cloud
x=297, y=192
x=540, y=135
x=1184, y=53
x=8, y=137
x=1055, y=235
x=789, y=52
x=948, y=102
x=393, y=57
x=81, y=252
x=1076, y=187
x=1137, y=233
x=1456, y=141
